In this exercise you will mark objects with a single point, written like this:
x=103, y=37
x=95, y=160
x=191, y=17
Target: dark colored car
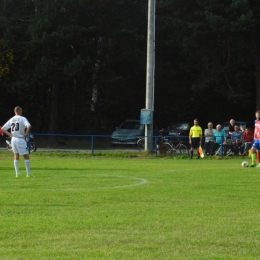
x=129, y=132
x=179, y=129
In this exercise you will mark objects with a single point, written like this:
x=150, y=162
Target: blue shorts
x=256, y=145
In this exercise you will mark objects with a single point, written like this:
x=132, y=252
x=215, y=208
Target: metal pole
x=149, y=104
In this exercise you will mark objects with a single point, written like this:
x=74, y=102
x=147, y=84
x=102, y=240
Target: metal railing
x=90, y=143
x=93, y=143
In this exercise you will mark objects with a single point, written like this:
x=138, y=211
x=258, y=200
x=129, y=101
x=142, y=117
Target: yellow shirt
x=195, y=131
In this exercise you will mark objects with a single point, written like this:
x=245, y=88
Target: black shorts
x=195, y=142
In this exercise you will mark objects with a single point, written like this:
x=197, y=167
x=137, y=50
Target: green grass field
x=106, y=207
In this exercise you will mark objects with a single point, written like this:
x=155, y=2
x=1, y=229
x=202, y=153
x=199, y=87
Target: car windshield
x=131, y=125
x=178, y=126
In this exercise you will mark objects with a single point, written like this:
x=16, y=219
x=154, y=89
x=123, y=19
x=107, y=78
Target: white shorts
x=19, y=145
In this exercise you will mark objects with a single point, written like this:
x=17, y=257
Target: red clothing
x=257, y=130
x=248, y=137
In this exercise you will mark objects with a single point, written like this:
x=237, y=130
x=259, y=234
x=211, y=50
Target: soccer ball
x=245, y=164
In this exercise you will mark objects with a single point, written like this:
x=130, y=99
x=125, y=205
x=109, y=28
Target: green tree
x=255, y=37
x=212, y=56
x=52, y=37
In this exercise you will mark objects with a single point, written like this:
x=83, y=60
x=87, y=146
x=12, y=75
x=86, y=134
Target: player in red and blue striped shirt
x=256, y=144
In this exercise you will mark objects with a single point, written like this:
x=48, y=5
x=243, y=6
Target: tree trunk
x=95, y=75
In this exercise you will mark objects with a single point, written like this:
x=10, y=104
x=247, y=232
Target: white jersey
x=17, y=125
x=209, y=135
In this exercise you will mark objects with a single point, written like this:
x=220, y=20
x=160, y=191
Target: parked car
x=179, y=129
x=129, y=132
x=244, y=124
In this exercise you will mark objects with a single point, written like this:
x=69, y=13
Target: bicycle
x=170, y=148
x=182, y=148
x=141, y=141
x=179, y=148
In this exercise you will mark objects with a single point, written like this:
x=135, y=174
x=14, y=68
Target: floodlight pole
x=150, y=68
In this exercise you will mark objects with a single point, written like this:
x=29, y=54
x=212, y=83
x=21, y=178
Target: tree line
x=79, y=66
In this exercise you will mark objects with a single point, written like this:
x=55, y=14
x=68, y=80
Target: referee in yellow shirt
x=195, y=138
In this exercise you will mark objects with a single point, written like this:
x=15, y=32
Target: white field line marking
x=140, y=182
x=199, y=169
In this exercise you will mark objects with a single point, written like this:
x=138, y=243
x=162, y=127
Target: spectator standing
x=231, y=128
x=248, y=140
x=18, y=124
x=220, y=138
x=209, y=138
x=232, y=125
x=195, y=138
x=237, y=140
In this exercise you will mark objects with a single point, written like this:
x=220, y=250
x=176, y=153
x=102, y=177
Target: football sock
x=16, y=167
x=253, y=158
x=27, y=166
x=258, y=157
x=191, y=154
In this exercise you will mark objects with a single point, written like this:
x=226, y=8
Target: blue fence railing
x=92, y=143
